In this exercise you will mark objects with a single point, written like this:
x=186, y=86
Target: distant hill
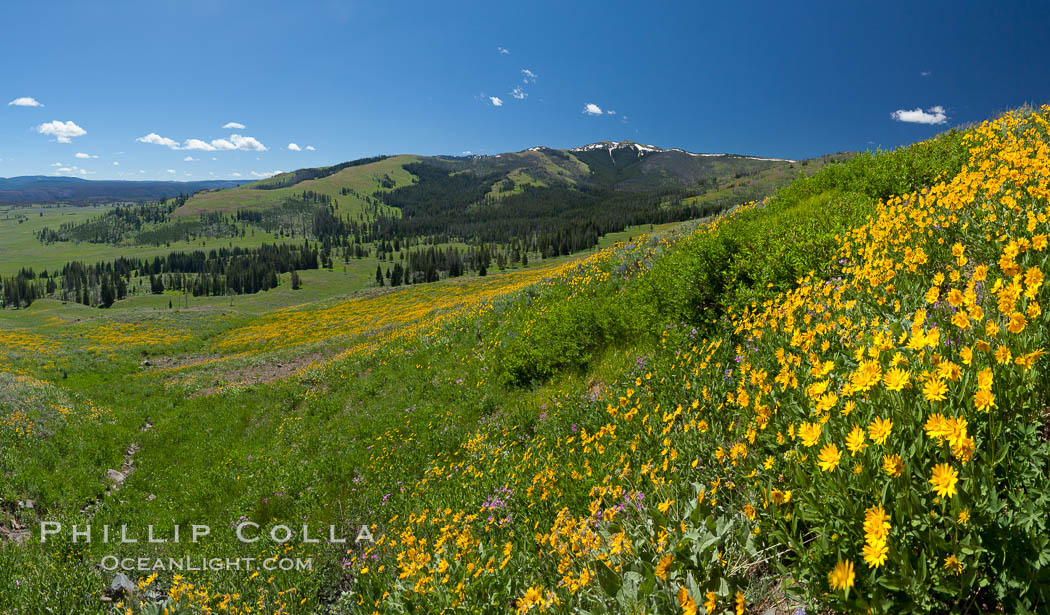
x=47, y=189
x=623, y=166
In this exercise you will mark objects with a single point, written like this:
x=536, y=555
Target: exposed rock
x=121, y=585
x=116, y=477
x=18, y=535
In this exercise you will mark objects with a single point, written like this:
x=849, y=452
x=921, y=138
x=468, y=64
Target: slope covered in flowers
x=874, y=439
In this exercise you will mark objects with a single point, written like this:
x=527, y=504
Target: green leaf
x=608, y=579
x=646, y=587
x=632, y=581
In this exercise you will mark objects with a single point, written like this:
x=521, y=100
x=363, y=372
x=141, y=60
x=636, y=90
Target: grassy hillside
x=364, y=180
x=832, y=399
x=550, y=166
x=758, y=185
x=19, y=246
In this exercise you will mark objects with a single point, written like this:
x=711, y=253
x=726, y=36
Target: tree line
x=226, y=271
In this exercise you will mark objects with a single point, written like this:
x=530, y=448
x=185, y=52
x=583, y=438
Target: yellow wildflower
x=944, y=480
x=829, y=457
x=842, y=576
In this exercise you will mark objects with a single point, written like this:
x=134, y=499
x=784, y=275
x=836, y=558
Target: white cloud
x=294, y=147
x=189, y=159
x=116, y=164
x=496, y=101
x=172, y=171
x=502, y=50
x=592, y=109
x=155, y=139
x=62, y=131
x=311, y=148
x=529, y=76
x=84, y=156
x=235, y=174
x=74, y=170
x=933, y=115
x=270, y=174
x=197, y=144
x=233, y=142
x=518, y=93
x=25, y=101
x=610, y=112
x=236, y=125
x=214, y=158
x=247, y=143
x=467, y=153
x=57, y=164
x=925, y=73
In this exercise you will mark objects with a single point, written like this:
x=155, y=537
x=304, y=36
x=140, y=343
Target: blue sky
x=355, y=79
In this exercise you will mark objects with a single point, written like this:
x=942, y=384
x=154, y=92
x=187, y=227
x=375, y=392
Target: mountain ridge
x=619, y=166
x=643, y=149
x=623, y=165
x=58, y=188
